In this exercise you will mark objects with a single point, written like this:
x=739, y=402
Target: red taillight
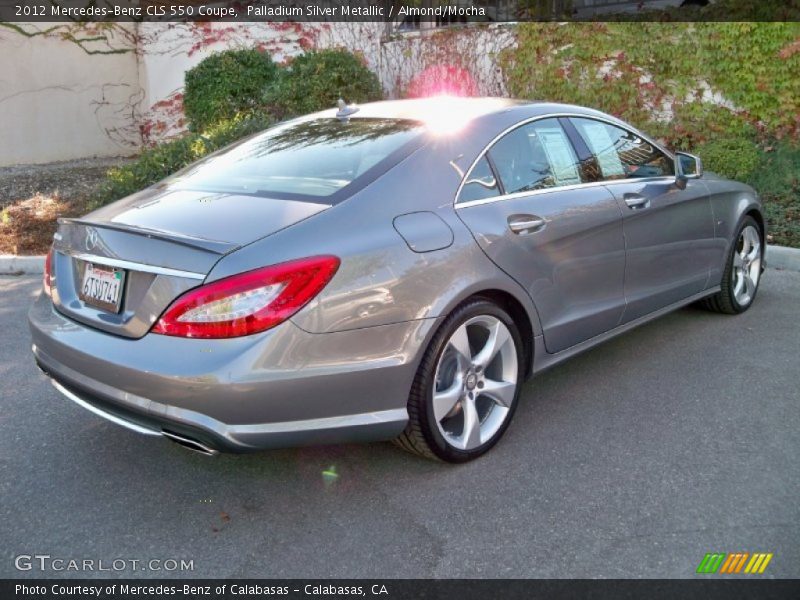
x=247, y=303
x=47, y=276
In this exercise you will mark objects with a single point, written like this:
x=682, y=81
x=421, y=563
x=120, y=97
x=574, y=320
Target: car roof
x=419, y=109
x=446, y=113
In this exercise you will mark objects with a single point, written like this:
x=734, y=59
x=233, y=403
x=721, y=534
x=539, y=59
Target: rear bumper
x=285, y=387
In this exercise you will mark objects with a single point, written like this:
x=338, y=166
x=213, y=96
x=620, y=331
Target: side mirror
x=687, y=166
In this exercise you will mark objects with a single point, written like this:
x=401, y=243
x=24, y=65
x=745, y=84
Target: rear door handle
x=635, y=201
x=525, y=224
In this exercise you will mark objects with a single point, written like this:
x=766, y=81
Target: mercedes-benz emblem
x=91, y=238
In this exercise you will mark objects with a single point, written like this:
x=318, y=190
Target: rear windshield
x=318, y=159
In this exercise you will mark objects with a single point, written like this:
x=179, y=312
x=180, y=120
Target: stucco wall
x=62, y=100
x=59, y=102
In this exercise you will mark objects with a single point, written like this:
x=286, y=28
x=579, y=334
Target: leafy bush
x=226, y=84
x=316, y=80
x=225, y=98
x=735, y=158
x=161, y=161
x=777, y=180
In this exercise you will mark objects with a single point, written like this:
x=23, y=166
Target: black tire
x=422, y=435
x=725, y=301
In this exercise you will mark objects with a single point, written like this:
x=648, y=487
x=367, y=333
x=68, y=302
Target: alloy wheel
x=746, y=265
x=475, y=383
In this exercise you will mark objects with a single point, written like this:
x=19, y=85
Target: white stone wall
x=61, y=99
x=467, y=57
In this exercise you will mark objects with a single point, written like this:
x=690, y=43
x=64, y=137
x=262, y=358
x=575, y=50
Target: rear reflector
x=47, y=275
x=247, y=303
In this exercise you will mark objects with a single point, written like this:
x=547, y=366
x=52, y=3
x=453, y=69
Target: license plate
x=102, y=286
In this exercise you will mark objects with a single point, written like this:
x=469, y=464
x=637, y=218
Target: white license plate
x=102, y=286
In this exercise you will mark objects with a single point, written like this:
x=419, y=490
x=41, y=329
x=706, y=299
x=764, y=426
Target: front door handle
x=635, y=201
x=525, y=224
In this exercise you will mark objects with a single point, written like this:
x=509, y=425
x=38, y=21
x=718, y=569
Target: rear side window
x=535, y=156
x=480, y=183
x=622, y=154
x=314, y=159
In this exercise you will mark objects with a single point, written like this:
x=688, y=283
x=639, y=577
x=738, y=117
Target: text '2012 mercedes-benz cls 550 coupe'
x=389, y=271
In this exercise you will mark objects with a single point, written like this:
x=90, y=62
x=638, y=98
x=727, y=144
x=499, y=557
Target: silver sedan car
x=390, y=271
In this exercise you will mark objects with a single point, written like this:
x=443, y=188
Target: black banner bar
x=410, y=12
x=394, y=589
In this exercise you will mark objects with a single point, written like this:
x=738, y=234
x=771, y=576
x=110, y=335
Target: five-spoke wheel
x=746, y=265
x=742, y=271
x=467, y=385
x=476, y=382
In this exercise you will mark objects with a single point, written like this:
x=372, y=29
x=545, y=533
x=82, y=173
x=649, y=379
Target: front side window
x=535, y=156
x=622, y=154
x=480, y=183
x=301, y=159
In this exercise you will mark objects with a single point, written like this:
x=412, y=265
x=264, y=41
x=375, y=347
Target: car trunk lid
x=158, y=245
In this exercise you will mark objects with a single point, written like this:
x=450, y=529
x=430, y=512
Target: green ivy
x=667, y=78
x=729, y=91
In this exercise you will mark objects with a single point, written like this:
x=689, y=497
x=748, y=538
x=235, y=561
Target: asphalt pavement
x=634, y=459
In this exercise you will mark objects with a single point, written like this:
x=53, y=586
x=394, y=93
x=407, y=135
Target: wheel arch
x=758, y=216
x=515, y=307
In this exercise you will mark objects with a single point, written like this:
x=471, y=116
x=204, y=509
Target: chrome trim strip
x=133, y=266
x=615, y=123
x=108, y=416
x=370, y=418
x=562, y=188
x=190, y=444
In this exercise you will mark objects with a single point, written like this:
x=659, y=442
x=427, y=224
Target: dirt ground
x=32, y=197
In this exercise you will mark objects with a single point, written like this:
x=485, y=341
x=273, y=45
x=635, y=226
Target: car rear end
x=133, y=325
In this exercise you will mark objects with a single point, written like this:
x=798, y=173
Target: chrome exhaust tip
x=189, y=443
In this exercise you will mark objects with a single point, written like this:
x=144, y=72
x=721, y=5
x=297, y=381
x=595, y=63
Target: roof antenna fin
x=345, y=110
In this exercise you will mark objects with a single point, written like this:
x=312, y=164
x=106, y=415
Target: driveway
x=632, y=460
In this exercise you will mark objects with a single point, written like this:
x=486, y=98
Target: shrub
x=777, y=180
x=161, y=161
x=316, y=80
x=226, y=84
x=735, y=158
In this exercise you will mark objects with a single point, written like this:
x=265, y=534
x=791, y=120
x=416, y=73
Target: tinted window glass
x=314, y=158
x=480, y=183
x=534, y=157
x=622, y=154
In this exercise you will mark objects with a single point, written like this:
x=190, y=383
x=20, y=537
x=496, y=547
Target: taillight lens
x=47, y=276
x=247, y=303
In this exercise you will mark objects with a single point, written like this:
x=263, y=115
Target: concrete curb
x=778, y=257
x=781, y=257
x=21, y=265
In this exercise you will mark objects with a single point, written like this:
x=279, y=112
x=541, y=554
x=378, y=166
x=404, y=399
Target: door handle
x=635, y=201
x=525, y=224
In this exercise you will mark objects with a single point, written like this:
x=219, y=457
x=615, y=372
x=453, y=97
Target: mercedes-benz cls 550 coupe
x=390, y=271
